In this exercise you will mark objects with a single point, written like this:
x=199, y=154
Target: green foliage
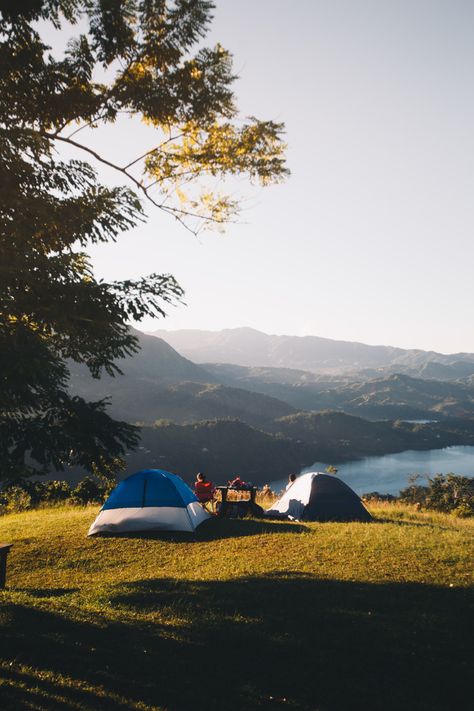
x=30, y=494
x=449, y=493
x=414, y=493
x=54, y=491
x=52, y=308
x=375, y=497
x=87, y=491
x=16, y=499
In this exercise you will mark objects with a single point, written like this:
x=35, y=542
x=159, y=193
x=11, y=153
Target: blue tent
x=150, y=500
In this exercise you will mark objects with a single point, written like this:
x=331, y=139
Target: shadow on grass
x=215, y=528
x=414, y=524
x=283, y=641
x=48, y=592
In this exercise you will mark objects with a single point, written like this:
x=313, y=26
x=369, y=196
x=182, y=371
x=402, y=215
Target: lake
x=389, y=474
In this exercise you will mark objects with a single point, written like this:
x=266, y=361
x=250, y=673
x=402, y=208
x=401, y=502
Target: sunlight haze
x=371, y=237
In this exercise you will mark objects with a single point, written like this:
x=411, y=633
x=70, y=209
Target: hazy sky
x=371, y=239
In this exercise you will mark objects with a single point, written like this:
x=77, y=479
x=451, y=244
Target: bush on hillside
x=25, y=495
x=376, y=496
x=451, y=494
x=15, y=499
x=53, y=491
x=414, y=493
x=87, y=491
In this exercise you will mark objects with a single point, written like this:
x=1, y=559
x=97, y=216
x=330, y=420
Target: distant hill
x=248, y=347
x=394, y=397
x=222, y=448
x=158, y=383
x=401, y=397
x=339, y=436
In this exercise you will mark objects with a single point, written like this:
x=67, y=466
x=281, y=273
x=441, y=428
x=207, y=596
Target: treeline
x=25, y=494
x=447, y=493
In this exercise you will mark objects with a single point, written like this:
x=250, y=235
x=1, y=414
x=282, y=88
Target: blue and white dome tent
x=150, y=500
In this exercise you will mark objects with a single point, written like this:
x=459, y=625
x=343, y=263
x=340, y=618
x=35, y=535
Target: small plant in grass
x=16, y=499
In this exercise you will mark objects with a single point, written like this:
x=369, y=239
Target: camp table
x=4, y=550
x=252, y=490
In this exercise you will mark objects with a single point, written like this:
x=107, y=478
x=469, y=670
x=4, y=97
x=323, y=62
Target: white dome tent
x=319, y=497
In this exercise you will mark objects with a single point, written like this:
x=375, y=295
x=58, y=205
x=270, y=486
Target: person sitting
x=291, y=481
x=237, y=483
x=204, y=489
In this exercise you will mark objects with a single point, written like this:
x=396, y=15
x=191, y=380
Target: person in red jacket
x=204, y=489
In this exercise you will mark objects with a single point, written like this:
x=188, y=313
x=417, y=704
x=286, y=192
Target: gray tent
x=319, y=497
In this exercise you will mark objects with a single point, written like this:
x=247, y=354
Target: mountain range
x=264, y=421
x=159, y=383
x=249, y=347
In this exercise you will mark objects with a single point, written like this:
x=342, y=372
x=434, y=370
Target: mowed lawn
x=248, y=615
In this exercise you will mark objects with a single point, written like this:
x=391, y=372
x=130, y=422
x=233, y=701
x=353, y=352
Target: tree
x=129, y=57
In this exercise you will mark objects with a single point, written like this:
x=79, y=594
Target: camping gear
x=4, y=551
x=319, y=497
x=150, y=500
x=239, y=509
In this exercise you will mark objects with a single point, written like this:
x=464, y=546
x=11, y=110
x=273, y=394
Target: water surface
x=389, y=473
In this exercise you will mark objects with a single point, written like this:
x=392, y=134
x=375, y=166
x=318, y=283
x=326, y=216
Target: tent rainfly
x=150, y=500
x=319, y=497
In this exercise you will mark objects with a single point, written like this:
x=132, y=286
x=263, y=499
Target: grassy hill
x=249, y=615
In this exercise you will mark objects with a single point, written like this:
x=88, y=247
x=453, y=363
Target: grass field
x=249, y=615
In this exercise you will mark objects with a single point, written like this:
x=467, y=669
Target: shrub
x=414, y=493
x=87, y=491
x=376, y=496
x=451, y=493
x=16, y=499
x=55, y=491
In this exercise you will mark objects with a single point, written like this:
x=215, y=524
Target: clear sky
x=371, y=239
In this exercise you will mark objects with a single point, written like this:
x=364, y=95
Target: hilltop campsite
x=249, y=614
x=236, y=355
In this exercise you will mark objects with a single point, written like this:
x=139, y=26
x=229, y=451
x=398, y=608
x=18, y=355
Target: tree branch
x=157, y=148
x=176, y=212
